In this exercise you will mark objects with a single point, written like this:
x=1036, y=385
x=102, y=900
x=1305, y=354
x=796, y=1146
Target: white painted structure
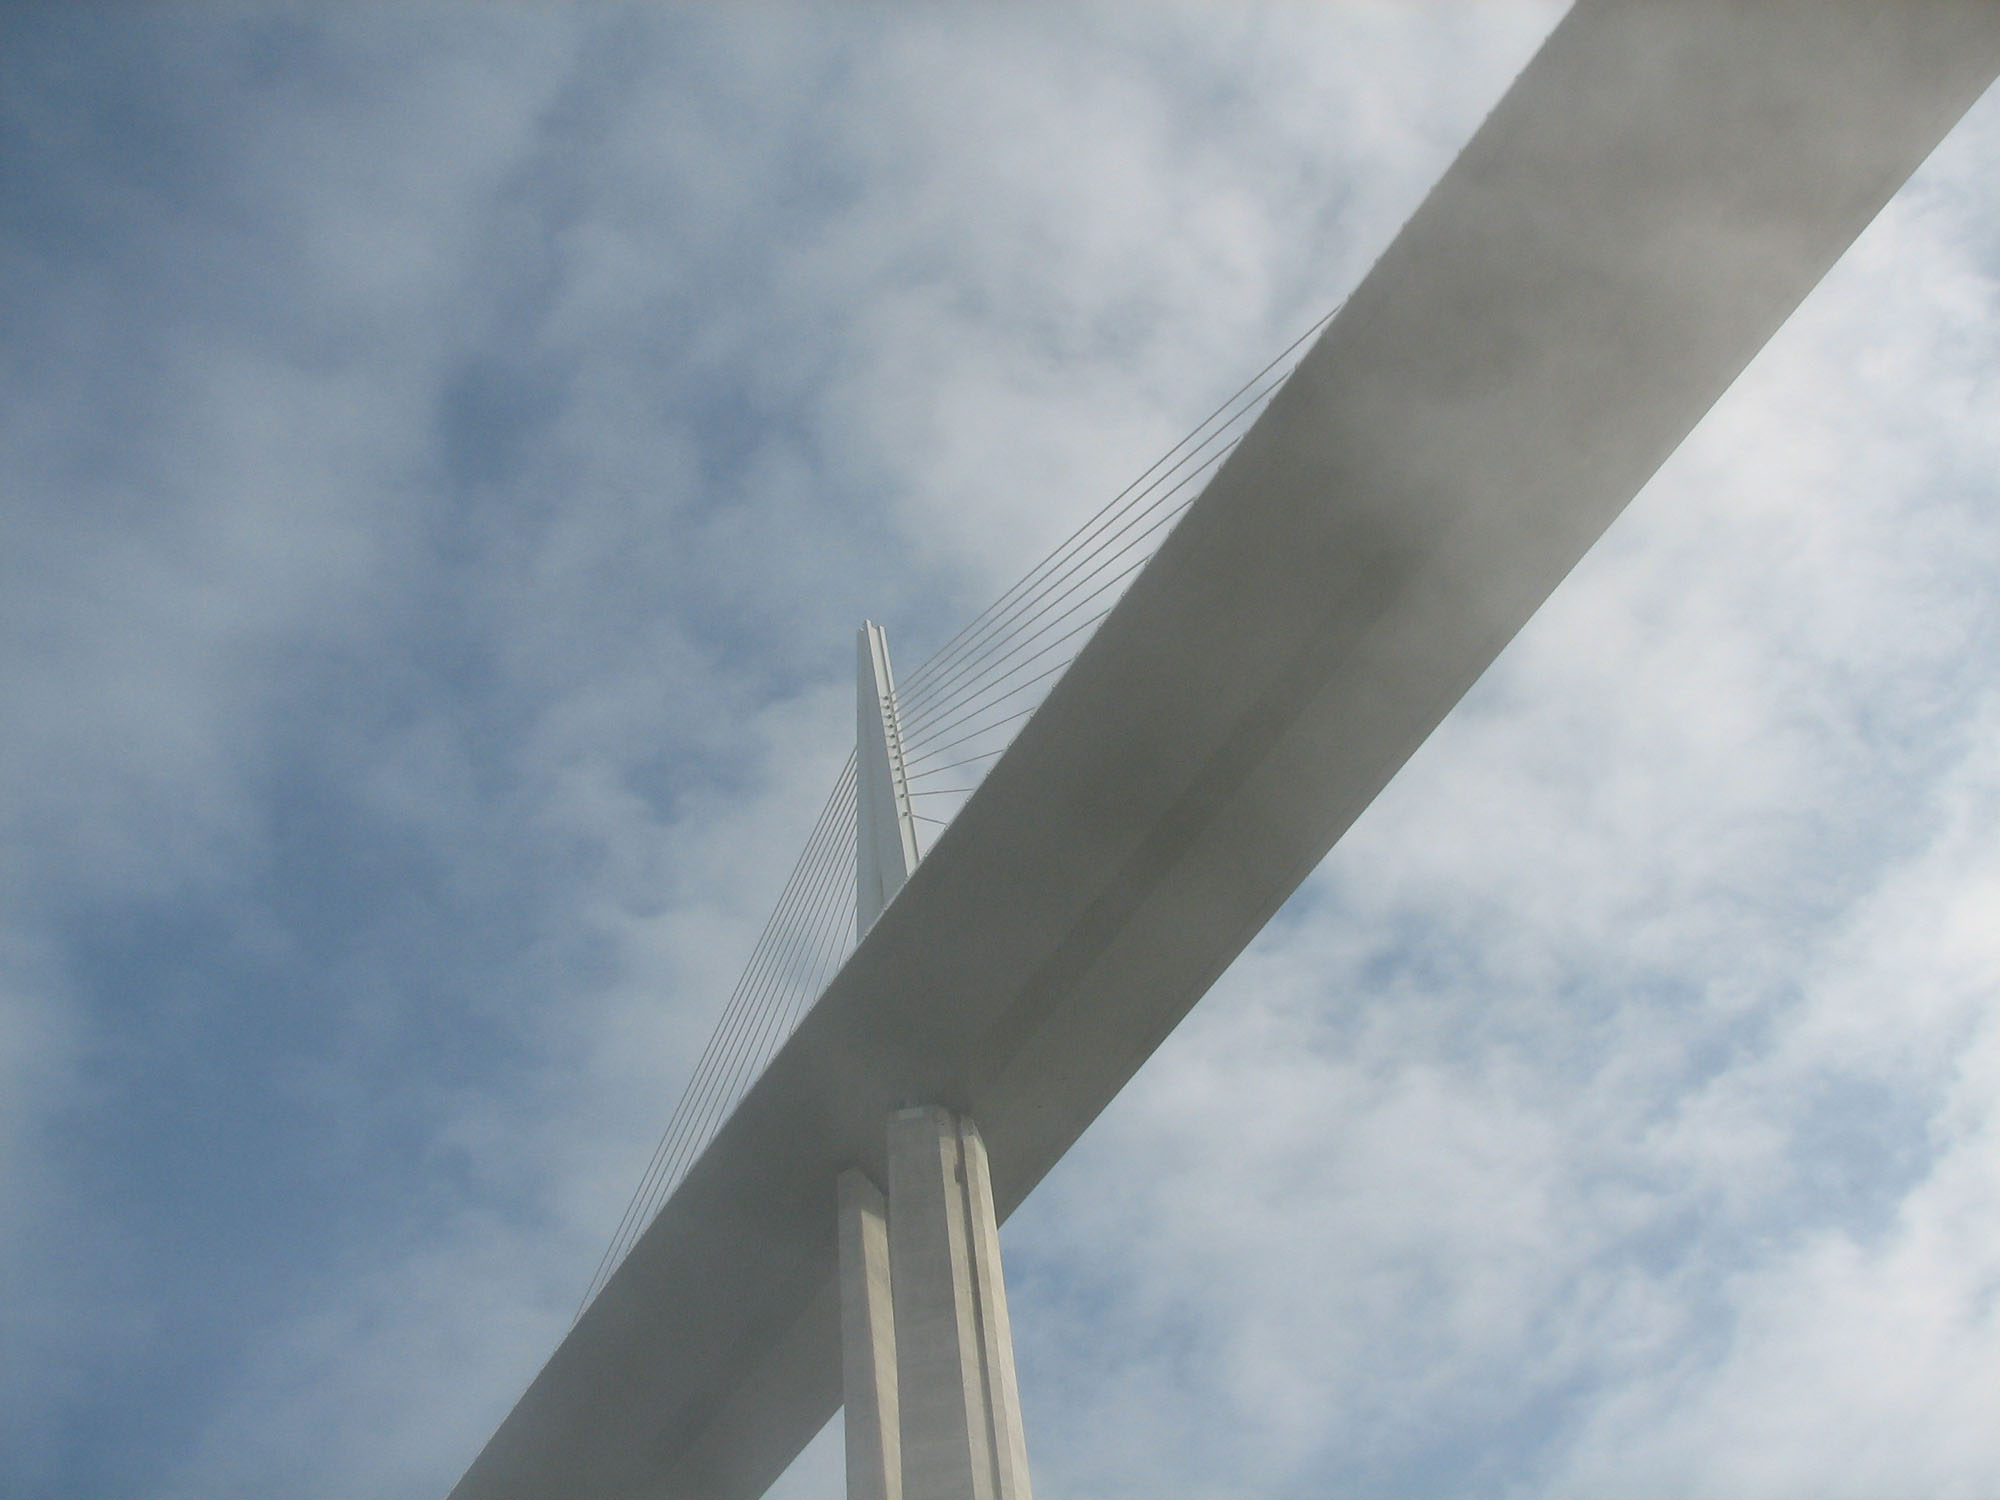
x=885, y=828
x=1650, y=201
x=933, y=1411
x=868, y=1376
x=961, y=1408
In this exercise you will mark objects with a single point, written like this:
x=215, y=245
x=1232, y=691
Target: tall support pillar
x=960, y=1405
x=927, y=1354
x=868, y=1344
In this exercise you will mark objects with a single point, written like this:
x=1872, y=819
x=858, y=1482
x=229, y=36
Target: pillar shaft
x=1003, y=1394
x=960, y=1409
x=868, y=1344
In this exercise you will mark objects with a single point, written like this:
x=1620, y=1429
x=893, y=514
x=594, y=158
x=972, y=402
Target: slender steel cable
x=951, y=765
x=1000, y=647
x=930, y=728
x=724, y=1047
x=944, y=653
x=811, y=926
x=719, y=1044
x=751, y=1025
x=1080, y=596
x=1104, y=533
x=830, y=880
x=993, y=698
x=975, y=734
x=718, y=1089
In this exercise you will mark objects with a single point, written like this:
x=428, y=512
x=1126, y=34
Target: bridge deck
x=1654, y=196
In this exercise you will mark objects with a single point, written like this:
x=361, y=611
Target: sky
x=445, y=452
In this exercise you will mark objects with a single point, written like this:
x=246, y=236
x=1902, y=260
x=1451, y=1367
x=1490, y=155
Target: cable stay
x=966, y=702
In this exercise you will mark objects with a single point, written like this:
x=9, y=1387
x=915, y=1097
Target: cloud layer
x=447, y=454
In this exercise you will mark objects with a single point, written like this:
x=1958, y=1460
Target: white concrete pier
x=868, y=1344
x=947, y=1409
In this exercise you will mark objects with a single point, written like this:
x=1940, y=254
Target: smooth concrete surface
x=1650, y=200
x=1006, y=1433
x=961, y=1412
x=885, y=850
x=869, y=1403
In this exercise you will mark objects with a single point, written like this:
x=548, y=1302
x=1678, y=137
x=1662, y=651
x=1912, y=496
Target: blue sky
x=444, y=454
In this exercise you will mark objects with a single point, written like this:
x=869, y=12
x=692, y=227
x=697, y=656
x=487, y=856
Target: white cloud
x=1608, y=1113
x=512, y=418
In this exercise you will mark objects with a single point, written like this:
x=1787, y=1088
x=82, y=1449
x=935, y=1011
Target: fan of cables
x=958, y=712
x=962, y=708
